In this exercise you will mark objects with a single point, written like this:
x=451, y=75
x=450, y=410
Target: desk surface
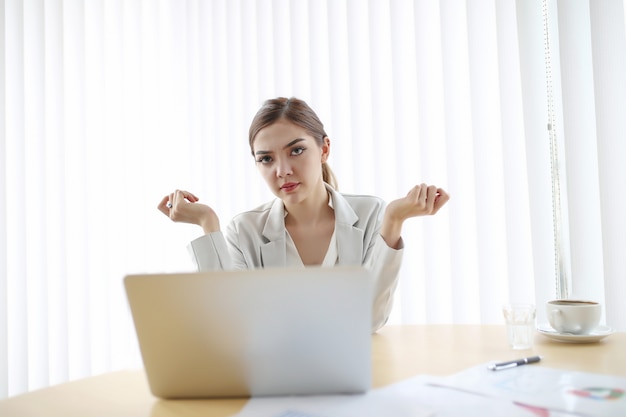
x=398, y=352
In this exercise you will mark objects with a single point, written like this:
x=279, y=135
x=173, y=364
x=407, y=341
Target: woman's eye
x=297, y=151
x=264, y=160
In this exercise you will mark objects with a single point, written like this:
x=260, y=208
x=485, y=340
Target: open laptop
x=304, y=331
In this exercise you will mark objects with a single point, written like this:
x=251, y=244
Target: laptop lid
x=304, y=331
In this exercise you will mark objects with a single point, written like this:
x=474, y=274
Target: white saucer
x=598, y=334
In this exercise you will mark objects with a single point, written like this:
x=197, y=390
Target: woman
x=309, y=223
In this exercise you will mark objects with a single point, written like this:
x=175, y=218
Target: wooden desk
x=398, y=352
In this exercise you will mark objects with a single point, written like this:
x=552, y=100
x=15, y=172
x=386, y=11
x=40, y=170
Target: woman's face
x=290, y=160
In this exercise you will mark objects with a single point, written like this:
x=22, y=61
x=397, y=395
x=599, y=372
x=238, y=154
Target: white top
x=293, y=257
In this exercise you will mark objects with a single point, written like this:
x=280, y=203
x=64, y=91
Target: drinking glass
x=520, y=325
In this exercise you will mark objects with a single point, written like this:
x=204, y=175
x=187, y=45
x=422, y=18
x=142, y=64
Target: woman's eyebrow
x=293, y=142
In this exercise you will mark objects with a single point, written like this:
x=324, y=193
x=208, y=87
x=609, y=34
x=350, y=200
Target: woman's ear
x=325, y=149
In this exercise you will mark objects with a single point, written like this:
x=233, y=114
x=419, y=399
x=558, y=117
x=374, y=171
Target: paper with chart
x=560, y=390
x=414, y=397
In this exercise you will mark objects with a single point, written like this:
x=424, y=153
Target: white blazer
x=257, y=239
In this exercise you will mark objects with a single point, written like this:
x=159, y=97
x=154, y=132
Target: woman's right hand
x=182, y=206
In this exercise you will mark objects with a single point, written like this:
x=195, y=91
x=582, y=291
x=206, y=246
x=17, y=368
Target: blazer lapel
x=349, y=237
x=274, y=251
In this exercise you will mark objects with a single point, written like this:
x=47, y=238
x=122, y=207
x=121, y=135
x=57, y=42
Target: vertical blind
x=108, y=105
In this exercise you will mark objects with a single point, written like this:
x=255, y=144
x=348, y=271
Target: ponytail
x=329, y=176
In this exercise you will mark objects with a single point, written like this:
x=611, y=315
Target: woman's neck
x=312, y=210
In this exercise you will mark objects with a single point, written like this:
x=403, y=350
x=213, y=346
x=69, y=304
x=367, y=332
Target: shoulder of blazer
x=265, y=220
x=352, y=208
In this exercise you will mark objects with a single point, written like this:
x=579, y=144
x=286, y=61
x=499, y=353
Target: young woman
x=310, y=222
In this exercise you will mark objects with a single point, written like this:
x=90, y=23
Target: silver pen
x=512, y=364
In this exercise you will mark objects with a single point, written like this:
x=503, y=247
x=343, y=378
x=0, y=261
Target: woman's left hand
x=421, y=200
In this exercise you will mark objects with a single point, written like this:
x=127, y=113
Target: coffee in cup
x=573, y=316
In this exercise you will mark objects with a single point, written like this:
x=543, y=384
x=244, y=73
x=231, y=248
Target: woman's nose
x=283, y=168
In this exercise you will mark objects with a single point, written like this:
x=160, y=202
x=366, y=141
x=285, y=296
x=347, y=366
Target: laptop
x=262, y=332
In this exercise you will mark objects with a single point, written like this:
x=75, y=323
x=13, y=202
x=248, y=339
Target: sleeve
x=218, y=250
x=235, y=248
x=384, y=263
x=210, y=252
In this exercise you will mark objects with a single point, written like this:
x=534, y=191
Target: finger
x=178, y=198
x=170, y=204
x=181, y=196
x=414, y=193
x=423, y=194
x=442, y=195
x=186, y=195
x=431, y=195
x=441, y=199
x=190, y=197
x=162, y=207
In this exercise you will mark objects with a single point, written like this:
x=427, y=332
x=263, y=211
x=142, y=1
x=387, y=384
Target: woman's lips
x=290, y=186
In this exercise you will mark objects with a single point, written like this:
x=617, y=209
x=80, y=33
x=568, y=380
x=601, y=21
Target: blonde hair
x=297, y=112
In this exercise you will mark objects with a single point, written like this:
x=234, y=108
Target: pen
x=512, y=364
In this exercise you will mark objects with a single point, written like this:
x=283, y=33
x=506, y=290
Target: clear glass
x=520, y=325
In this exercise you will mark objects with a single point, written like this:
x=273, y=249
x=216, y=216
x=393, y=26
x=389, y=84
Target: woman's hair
x=297, y=112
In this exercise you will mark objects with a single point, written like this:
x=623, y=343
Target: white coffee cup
x=573, y=316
